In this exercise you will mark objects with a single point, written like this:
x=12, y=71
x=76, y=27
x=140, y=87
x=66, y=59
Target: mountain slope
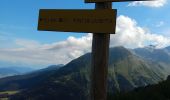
x=158, y=56
x=151, y=92
x=132, y=70
x=27, y=80
x=126, y=71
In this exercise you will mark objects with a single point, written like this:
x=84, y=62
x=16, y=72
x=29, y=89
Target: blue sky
x=19, y=19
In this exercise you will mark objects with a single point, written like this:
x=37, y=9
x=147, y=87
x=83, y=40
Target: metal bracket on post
x=100, y=56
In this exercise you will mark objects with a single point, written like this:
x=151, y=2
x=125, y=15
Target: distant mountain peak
x=54, y=66
x=120, y=49
x=151, y=48
x=119, y=52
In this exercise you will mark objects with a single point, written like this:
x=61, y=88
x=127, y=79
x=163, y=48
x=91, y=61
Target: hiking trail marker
x=101, y=22
x=91, y=21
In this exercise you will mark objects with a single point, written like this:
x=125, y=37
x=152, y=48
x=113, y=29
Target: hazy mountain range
x=128, y=69
x=11, y=71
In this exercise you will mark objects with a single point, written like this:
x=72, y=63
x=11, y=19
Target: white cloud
x=32, y=52
x=166, y=32
x=72, y=47
x=27, y=43
x=154, y=3
x=131, y=35
x=128, y=34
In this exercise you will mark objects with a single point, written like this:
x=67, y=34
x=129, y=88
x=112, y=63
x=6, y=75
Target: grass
x=9, y=93
x=4, y=99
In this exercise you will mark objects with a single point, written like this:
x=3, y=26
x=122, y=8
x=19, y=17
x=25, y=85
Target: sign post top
x=90, y=21
x=96, y=1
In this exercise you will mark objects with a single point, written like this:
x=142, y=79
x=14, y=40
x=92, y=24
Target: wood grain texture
x=100, y=56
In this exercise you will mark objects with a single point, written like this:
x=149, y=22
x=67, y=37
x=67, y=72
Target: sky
x=139, y=24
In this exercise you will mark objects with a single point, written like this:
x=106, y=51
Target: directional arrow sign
x=92, y=21
x=94, y=1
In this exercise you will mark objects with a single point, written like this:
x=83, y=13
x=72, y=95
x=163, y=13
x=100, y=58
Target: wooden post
x=100, y=56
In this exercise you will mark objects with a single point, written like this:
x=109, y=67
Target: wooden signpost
x=100, y=55
x=98, y=21
x=100, y=58
x=101, y=22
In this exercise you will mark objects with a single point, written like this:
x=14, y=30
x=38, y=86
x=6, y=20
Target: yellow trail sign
x=92, y=21
x=94, y=1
